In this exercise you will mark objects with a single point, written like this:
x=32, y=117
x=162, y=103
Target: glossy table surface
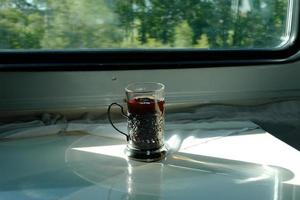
x=206, y=161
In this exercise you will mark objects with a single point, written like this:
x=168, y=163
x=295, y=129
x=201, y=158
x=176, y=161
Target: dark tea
x=145, y=105
x=146, y=123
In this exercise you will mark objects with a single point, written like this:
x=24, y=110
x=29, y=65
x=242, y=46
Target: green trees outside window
x=96, y=24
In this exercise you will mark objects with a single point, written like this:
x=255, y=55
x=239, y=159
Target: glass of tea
x=145, y=116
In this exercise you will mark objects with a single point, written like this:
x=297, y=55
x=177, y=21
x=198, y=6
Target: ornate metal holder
x=145, y=116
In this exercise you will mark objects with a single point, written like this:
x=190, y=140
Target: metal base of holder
x=146, y=155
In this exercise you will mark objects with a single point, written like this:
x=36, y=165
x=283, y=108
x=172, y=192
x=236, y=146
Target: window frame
x=141, y=59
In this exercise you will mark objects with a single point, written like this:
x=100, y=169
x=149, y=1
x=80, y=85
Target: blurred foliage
x=80, y=24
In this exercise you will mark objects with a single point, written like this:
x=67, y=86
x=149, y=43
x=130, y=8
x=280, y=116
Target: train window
x=81, y=24
x=126, y=25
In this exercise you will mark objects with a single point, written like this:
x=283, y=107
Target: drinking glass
x=146, y=118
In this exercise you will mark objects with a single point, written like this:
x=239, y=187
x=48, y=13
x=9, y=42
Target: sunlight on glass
x=261, y=148
x=226, y=147
x=110, y=150
x=96, y=24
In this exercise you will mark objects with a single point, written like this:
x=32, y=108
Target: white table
x=221, y=160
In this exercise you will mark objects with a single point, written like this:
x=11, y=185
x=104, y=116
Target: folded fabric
x=229, y=117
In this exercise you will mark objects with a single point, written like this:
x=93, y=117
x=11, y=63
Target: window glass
x=97, y=24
